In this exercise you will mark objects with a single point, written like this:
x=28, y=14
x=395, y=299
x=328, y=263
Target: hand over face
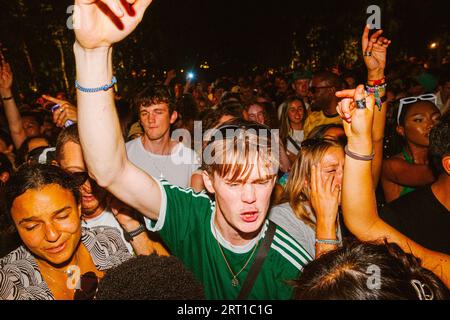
x=325, y=194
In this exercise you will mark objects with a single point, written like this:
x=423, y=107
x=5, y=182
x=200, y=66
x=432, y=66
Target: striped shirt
x=186, y=224
x=20, y=278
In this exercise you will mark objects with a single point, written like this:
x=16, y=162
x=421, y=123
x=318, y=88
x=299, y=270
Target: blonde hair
x=298, y=190
x=242, y=148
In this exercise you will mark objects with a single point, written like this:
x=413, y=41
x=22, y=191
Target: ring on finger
x=368, y=53
x=360, y=104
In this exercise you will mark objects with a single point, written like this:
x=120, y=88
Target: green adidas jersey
x=186, y=224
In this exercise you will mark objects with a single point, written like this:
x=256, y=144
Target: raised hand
x=172, y=73
x=374, y=50
x=65, y=112
x=357, y=122
x=6, y=77
x=102, y=23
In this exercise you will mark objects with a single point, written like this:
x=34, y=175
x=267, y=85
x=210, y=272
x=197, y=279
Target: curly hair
x=439, y=144
x=150, y=278
x=37, y=176
x=348, y=273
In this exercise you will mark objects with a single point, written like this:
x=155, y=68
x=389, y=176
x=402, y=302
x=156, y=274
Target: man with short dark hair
x=155, y=152
x=324, y=101
x=300, y=85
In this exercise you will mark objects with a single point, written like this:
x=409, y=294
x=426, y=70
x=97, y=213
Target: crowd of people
x=283, y=186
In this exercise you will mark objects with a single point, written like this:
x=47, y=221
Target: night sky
x=261, y=31
x=234, y=36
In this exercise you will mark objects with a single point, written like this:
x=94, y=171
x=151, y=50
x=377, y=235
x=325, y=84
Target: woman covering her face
x=312, y=197
x=58, y=258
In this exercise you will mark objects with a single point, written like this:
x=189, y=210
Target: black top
x=421, y=217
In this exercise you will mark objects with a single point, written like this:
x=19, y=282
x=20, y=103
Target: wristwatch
x=130, y=235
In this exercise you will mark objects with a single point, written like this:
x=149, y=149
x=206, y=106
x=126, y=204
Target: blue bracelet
x=106, y=87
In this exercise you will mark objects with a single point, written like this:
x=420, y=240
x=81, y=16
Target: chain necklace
x=153, y=160
x=67, y=272
x=234, y=279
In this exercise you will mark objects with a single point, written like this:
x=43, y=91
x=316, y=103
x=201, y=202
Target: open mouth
x=88, y=198
x=249, y=216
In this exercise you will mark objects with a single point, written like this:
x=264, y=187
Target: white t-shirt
x=298, y=136
x=177, y=168
x=106, y=219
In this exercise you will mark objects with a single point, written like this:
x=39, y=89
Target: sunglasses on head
x=80, y=177
x=260, y=129
x=311, y=142
x=409, y=100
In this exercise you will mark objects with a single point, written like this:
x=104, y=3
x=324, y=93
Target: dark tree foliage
x=234, y=36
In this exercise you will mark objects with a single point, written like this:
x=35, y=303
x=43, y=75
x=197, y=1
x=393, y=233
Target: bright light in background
x=205, y=65
x=433, y=45
x=190, y=75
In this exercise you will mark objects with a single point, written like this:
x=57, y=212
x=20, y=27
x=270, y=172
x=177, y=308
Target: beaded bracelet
x=328, y=241
x=7, y=98
x=106, y=87
x=379, y=92
x=358, y=156
x=378, y=82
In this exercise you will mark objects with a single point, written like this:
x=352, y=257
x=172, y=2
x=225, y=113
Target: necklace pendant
x=234, y=282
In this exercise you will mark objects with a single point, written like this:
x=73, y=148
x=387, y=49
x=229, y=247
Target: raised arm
x=97, y=26
x=375, y=51
x=11, y=111
x=358, y=197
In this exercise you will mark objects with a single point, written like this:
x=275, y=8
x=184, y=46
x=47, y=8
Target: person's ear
x=245, y=115
x=173, y=117
x=10, y=149
x=208, y=182
x=400, y=130
x=446, y=164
